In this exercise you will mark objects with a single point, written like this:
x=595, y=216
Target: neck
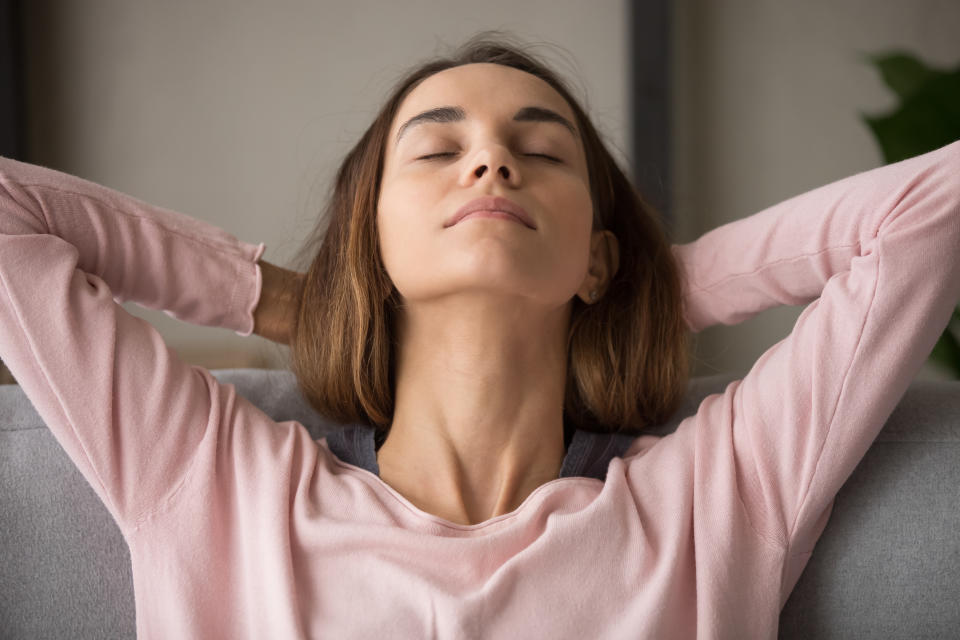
x=478, y=414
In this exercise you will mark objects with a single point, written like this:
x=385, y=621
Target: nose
x=492, y=164
x=504, y=171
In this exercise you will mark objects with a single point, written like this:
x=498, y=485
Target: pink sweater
x=239, y=526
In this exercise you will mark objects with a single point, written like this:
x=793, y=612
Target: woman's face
x=495, y=123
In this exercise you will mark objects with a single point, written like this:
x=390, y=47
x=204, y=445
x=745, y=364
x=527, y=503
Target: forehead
x=482, y=87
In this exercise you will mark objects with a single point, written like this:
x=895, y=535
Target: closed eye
x=545, y=156
x=436, y=155
x=451, y=153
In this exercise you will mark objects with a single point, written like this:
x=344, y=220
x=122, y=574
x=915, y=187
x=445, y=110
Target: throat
x=459, y=503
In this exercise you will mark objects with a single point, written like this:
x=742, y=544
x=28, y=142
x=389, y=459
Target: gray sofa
x=885, y=567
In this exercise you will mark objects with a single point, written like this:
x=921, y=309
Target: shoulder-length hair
x=627, y=353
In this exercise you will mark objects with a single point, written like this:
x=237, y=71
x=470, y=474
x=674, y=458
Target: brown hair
x=627, y=354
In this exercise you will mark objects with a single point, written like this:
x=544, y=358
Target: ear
x=604, y=262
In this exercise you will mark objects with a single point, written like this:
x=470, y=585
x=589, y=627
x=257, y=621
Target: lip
x=492, y=203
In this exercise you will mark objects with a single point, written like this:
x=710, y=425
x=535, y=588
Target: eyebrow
x=457, y=114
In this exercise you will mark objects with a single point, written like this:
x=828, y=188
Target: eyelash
x=433, y=156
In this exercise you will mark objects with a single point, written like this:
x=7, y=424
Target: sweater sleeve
x=126, y=409
x=877, y=257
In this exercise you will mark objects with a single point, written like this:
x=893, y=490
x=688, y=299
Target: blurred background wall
x=238, y=112
x=766, y=97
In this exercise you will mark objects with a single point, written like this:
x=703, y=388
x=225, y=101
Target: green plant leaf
x=902, y=72
x=946, y=353
x=927, y=120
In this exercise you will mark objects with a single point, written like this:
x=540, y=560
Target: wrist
x=276, y=311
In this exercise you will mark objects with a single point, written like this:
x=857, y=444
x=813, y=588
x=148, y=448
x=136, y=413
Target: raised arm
x=126, y=409
x=877, y=257
x=786, y=253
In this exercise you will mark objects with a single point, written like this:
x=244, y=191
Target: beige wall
x=767, y=96
x=239, y=112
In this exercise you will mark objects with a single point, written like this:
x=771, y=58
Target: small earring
x=593, y=296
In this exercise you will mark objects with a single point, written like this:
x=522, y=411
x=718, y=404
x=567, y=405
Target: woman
x=497, y=357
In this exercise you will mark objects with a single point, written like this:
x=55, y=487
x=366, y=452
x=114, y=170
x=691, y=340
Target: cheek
x=573, y=221
x=400, y=231
x=560, y=261
x=388, y=227
x=571, y=250
x=580, y=243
